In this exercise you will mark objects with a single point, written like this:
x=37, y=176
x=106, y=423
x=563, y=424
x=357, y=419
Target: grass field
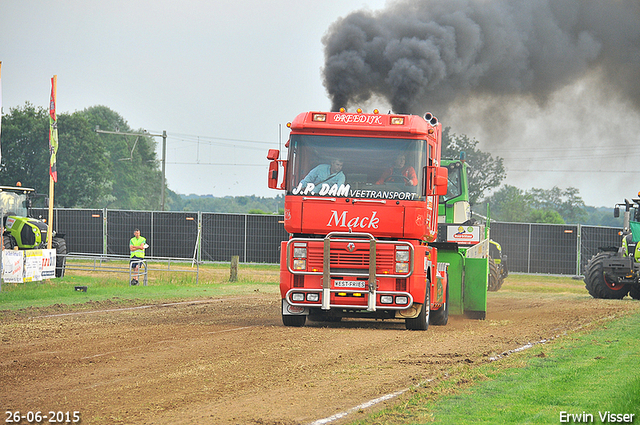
x=580, y=378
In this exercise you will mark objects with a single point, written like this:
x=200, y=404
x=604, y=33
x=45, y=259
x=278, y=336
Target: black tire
x=60, y=245
x=421, y=323
x=597, y=283
x=8, y=241
x=296, y=321
x=440, y=317
x=634, y=292
x=494, y=276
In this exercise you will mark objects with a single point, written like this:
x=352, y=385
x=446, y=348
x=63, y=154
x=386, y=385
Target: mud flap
x=456, y=261
x=475, y=287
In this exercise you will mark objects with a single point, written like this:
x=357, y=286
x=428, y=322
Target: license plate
x=361, y=284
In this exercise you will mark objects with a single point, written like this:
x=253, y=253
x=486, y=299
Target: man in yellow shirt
x=137, y=245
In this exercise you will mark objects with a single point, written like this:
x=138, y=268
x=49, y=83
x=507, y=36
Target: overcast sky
x=224, y=77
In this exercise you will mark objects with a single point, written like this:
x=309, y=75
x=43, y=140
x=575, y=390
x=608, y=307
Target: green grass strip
x=586, y=374
x=114, y=290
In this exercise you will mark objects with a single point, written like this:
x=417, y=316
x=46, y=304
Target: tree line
x=118, y=171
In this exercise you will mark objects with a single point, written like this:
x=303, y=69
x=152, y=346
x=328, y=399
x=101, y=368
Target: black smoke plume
x=429, y=54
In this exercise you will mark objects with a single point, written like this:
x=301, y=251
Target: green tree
x=510, y=204
x=545, y=216
x=82, y=173
x=136, y=177
x=485, y=172
x=568, y=203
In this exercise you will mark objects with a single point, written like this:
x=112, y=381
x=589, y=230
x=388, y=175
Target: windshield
x=13, y=204
x=356, y=167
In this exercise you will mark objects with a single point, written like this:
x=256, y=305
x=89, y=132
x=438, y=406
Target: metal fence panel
x=174, y=234
x=223, y=236
x=514, y=240
x=264, y=234
x=530, y=248
x=120, y=227
x=554, y=249
x=594, y=238
x=83, y=229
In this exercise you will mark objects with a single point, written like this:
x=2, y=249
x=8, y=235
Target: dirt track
x=230, y=361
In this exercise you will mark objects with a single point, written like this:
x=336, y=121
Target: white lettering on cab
x=362, y=222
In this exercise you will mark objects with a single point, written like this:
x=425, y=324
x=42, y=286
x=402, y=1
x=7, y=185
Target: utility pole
x=164, y=153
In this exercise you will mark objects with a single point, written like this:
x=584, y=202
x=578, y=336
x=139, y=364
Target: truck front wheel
x=597, y=283
x=421, y=323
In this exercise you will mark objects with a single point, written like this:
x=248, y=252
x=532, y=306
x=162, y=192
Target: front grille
x=340, y=258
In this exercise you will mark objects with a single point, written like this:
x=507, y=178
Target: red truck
x=361, y=208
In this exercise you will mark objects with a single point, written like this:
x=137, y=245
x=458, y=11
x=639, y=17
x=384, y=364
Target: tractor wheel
x=9, y=241
x=421, y=323
x=440, y=317
x=60, y=245
x=597, y=283
x=634, y=292
x=494, y=276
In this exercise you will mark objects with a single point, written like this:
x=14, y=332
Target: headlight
x=313, y=297
x=300, y=252
x=402, y=300
x=402, y=267
x=297, y=297
x=299, y=264
x=402, y=256
x=386, y=299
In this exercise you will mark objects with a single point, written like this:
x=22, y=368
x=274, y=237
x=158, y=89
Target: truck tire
x=634, y=292
x=296, y=321
x=494, y=276
x=421, y=323
x=596, y=282
x=440, y=317
x=60, y=245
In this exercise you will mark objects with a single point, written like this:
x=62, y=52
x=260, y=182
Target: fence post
x=529, y=251
x=104, y=232
x=579, y=250
x=233, y=277
x=245, y=238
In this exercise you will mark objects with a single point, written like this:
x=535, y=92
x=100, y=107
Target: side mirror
x=273, y=175
x=616, y=212
x=273, y=154
x=441, y=182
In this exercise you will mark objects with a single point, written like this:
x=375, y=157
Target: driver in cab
x=399, y=173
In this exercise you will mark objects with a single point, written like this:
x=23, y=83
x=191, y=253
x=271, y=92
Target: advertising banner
x=31, y=265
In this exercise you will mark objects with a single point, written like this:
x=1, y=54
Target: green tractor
x=454, y=209
x=23, y=232
x=615, y=271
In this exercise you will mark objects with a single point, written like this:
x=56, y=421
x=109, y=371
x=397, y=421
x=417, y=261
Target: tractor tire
x=494, y=276
x=421, y=323
x=60, y=245
x=634, y=292
x=596, y=282
x=9, y=241
x=440, y=317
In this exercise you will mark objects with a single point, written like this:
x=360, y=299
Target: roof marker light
x=319, y=117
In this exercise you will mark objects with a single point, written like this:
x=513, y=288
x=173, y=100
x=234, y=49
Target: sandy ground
x=230, y=360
